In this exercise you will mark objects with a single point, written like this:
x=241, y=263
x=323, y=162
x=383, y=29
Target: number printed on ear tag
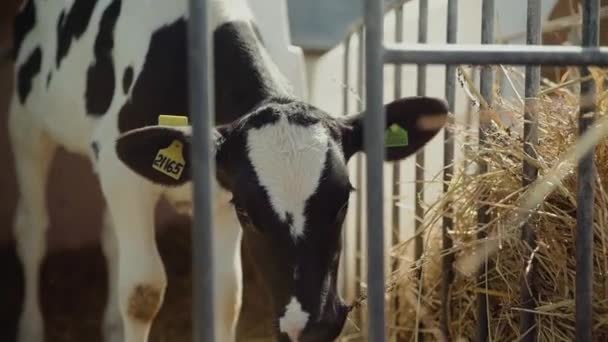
x=170, y=160
x=396, y=136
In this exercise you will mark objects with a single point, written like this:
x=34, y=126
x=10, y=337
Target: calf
x=94, y=76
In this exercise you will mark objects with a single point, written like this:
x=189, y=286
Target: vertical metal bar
x=448, y=160
x=423, y=13
x=346, y=76
x=530, y=172
x=397, y=93
x=486, y=85
x=396, y=183
x=420, y=90
x=200, y=61
x=346, y=257
x=585, y=184
x=359, y=201
x=373, y=133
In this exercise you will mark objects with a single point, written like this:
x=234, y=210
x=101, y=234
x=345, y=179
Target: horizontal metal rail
x=494, y=54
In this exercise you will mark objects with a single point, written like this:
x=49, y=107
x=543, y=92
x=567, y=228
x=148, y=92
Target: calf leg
x=33, y=152
x=141, y=275
x=112, y=325
x=228, y=278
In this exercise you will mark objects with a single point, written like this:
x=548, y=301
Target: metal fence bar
x=396, y=217
x=346, y=256
x=495, y=54
x=448, y=160
x=359, y=200
x=200, y=62
x=423, y=14
x=373, y=134
x=530, y=172
x=346, y=77
x=486, y=89
x=585, y=193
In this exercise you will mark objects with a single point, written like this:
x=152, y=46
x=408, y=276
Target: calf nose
x=294, y=320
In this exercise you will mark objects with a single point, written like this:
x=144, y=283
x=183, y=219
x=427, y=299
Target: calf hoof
x=112, y=328
x=31, y=328
x=113, y=332
x=30, y=336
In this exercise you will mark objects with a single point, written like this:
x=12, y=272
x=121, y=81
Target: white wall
x=273, y=22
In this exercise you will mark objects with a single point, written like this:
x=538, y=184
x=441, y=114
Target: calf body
x=87, y=71
x=93, y=77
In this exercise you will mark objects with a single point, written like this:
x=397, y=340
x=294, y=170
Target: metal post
x=346, y=76
x=486, y=85
x=359, y=201
x=373, y=134
x=530, y=172
x=585, y=184
x=421, y=91
x=448, y=160
x=423, y=13
x=200, y=61
x=398, y=74
x=346, y=256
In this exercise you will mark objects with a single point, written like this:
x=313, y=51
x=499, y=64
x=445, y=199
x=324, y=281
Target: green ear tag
x=395, y=136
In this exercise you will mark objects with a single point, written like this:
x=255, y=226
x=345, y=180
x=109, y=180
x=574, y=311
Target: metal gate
x=376, y=54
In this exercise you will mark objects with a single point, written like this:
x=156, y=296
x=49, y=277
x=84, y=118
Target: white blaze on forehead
x=288, y=160
x=294, y=320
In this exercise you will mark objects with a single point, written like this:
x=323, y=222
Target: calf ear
x=160, y=154
x=410, y=124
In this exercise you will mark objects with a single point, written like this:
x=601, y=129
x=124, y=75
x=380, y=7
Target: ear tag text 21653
x=170, y=160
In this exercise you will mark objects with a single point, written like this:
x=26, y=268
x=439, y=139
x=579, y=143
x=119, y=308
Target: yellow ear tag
x=172, y=120
x=170, y=160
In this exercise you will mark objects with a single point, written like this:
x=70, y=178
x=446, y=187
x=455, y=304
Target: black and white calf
x=93, y=77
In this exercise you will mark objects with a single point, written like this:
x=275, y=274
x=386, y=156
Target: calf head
x=285, y=166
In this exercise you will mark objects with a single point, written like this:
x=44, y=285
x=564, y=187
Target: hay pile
x=501, y=190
